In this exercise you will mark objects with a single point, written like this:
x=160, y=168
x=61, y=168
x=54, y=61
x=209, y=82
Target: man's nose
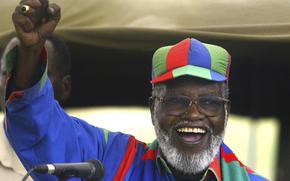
x=193, y=112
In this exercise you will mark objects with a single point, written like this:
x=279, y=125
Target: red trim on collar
x=216, y=167
x=229, y=157
x=150, y=155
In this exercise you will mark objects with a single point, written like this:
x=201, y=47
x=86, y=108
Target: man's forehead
x=192, y=84
x=190, y=81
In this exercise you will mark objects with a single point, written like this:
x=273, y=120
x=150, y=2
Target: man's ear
x=152, y=107
x=229, y=107
x=66, y=87
x=151, y=104
x=227, y=112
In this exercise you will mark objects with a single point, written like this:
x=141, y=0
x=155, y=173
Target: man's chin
x=186, y=158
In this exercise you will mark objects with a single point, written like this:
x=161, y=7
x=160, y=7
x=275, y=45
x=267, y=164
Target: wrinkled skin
x=166, y=124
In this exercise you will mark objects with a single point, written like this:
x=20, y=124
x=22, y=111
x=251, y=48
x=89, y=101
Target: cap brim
x=190, y=70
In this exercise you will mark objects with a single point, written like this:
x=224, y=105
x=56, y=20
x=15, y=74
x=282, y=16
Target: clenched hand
x=34, y=21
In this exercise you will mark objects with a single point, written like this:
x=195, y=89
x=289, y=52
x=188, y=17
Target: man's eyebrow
x=210, y=93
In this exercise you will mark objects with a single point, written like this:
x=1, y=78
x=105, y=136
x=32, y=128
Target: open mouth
x=191, y=135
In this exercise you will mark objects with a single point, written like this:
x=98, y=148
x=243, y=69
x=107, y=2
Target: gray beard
x=187, y=164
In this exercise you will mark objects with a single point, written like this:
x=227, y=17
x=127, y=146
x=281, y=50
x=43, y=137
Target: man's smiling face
x=189, y=138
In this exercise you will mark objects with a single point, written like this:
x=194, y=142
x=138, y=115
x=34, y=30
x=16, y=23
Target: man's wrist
x=27, y=67
x=30, y=50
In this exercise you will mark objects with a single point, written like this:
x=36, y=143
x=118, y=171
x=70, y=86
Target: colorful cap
x=191, y=57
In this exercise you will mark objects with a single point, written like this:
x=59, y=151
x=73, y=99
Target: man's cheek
x=218, y=126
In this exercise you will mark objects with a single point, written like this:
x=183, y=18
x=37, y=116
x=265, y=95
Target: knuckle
x=55, y=6
x=18, y=9
x=15, y=17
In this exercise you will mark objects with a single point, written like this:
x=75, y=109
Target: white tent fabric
x=140, y=23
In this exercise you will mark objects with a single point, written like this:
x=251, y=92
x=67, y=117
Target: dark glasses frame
x=185, y=103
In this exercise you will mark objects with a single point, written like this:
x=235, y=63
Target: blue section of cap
x=198, y=55
x=217, y=77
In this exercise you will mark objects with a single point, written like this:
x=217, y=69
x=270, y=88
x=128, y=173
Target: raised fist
x=34, y=21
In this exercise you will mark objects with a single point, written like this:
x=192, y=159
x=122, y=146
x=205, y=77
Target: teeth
x=191, y=130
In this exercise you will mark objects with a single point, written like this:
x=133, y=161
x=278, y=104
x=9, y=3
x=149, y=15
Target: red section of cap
x=163, y=77
x=178, y=55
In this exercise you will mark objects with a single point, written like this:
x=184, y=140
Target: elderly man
x=189, y=107
x=59, y=74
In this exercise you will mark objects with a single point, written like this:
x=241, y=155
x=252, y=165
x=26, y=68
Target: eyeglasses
x=179, y=105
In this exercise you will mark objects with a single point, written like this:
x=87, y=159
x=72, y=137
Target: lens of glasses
x=176, y=105
x=210, y=105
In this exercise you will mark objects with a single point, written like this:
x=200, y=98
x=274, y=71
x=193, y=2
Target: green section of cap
x=159, y=60
x=219, y=58
x=192, y=70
